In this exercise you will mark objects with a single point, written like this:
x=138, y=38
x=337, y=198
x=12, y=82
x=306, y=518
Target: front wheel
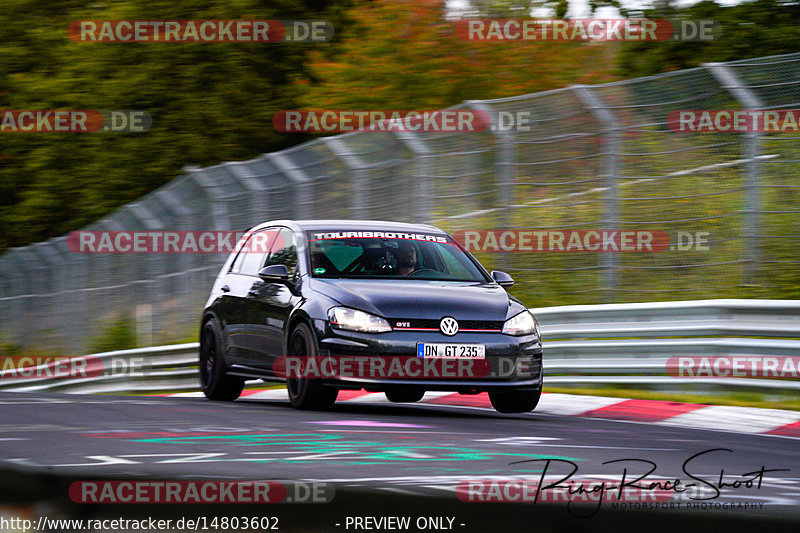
x=307, y=393
x=215, y=384
x=515, y=401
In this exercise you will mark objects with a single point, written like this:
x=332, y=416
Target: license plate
x=436, y=350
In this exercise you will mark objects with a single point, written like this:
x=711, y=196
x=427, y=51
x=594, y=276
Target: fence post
x=752, y=148
x=256, y=191
x=611, y=131
x=504, y=161
x=355, y=164
x=218, y=215
x=112, y=279
x=5, y=292
x=181, y=214
x=299, y=180
x=54, y=291
x=153, y=296
x=505, y=158
x=422, y=173
x=28, y=304
x=12, y=325
x=74, y=278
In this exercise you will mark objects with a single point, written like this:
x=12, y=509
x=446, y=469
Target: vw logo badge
x=448, y=326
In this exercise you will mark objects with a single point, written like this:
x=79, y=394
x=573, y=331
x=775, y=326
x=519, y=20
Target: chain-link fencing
x=591, y=158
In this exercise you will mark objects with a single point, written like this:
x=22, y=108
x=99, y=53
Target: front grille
x=491, y=325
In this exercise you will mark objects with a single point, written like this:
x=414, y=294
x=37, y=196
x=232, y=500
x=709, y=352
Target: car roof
x=337, y=224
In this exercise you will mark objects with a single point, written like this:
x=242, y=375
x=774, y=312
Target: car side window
x=237, y=263
x=284, y=252
x=252, y=255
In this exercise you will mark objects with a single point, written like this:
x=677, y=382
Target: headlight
x=355, y=320
x=521, y=324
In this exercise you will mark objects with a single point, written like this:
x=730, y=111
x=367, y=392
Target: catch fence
x=591, y=158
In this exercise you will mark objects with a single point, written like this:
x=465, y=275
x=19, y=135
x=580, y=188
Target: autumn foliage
x=406, y=54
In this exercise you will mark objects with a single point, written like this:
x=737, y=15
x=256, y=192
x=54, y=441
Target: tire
x=214, y=382
x=405, y=396
x=517, y=401
x=305, y=393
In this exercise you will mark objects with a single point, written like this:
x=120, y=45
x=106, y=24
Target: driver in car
x=406, y=258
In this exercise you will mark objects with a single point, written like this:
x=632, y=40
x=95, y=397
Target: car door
x=239, y=281
x=269, y=304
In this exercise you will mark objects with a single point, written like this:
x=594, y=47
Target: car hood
x=421, y=299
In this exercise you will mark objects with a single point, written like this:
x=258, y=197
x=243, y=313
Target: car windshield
x=350, y=254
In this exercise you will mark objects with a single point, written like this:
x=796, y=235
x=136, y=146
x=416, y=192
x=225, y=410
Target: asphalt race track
x=396, y=457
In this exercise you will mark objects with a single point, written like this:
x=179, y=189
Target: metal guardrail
x=631, y=344
x=706, y=318
x=152, y=369
x=628, y=344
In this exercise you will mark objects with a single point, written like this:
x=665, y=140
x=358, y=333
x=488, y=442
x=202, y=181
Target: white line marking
x=730, y=418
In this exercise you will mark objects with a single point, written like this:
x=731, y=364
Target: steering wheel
x=385, y=263
x=414, y=274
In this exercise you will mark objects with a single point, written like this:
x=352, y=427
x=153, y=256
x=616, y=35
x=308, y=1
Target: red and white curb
x=690, y=415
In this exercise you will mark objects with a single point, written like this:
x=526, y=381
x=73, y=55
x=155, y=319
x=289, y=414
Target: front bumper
x=510, y=362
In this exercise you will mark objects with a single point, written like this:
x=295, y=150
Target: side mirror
x=274, y=274
x=503, y=279
x=279, y=274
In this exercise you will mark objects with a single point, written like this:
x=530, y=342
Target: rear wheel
x=405, y=396
x=307, y=393
x=518, y=401
x=215, y=384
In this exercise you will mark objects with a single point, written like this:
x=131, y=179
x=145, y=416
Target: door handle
x=225, y=288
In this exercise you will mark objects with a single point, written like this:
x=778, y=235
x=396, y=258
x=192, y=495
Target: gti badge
x=448, y=326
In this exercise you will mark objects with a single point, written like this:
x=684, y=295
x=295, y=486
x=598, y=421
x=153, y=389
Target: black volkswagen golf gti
x=330, y=305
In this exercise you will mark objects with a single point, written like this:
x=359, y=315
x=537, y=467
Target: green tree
x=750, y=29
x=209, y=102
x=407, y=55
